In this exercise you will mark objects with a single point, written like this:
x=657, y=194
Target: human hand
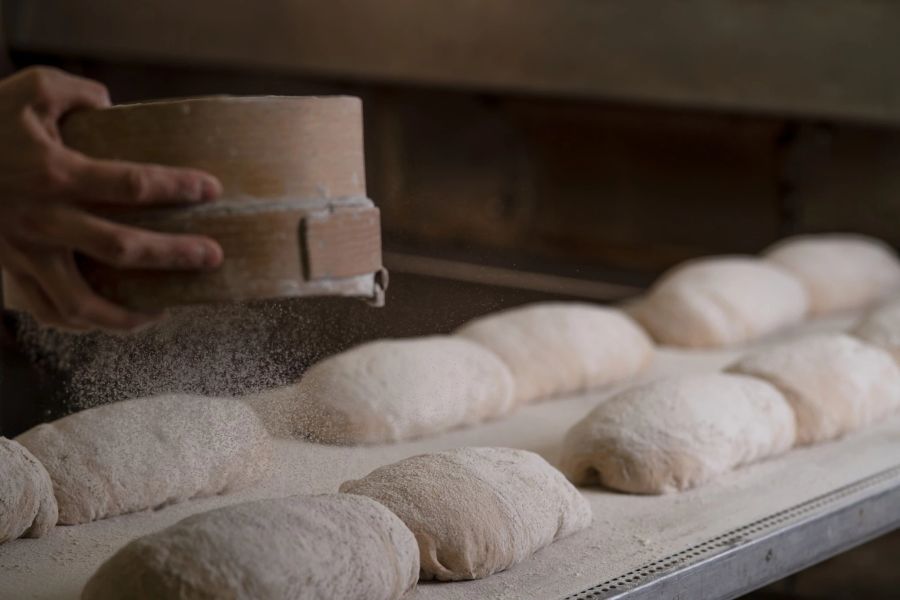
x=45, y=187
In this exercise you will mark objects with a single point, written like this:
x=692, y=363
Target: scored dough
x=302, y=547
x=391, y=390
x=677, y=433
x=834, y=383
x=881, y=328
x=149, y=452
x=477, y=511
x=557, y=348
x=719, y=301
x=840, y=271
x=27, y=505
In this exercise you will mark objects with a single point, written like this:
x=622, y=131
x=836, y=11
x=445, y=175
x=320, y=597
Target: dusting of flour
x=221, y=350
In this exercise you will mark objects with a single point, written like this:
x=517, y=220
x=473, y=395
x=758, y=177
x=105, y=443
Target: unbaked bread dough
x=27, y=505
x=300, y=547
x=148, y=453
x=840, y=271
x=720, y=301
x=477, y=511
x=557, y=348
x=881, y=327
x=391, y=390
x=835, y=383
x=677, y=433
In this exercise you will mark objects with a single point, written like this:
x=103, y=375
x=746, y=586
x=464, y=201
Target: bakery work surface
x=747, y=528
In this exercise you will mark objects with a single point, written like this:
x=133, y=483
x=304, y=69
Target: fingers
x=132, y=248
x=31, y=295
x=127, y=183
x=60, y=92
x=77, y=305
x=54, y=289
x=128, y=247
x=33, y=277
x=55, y=92
x=64, y=174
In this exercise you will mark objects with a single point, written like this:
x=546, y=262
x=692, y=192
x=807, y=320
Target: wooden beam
x=830, y=58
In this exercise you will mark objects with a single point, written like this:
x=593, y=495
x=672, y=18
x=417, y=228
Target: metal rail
x=414, y=264
x=753, y=555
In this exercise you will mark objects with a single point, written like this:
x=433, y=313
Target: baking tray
x=747, y=528
x=745, y=558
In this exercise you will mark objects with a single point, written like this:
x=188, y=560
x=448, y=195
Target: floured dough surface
x=840, y=271
x=677, y=433
x=881, y=327
x=27, y=505
x=558, y=348
x=477, y=511
x=300, y=547
x=391, y=390
x=835, y=383
x=720, y=301
x=149, y=452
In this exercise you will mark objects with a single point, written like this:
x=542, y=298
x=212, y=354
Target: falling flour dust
x=213, y=350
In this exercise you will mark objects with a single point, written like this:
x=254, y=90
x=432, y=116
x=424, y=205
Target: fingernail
x=199, y=255
x=192, y=190
x=215, y=257
x=211, y=189
x=209, y=256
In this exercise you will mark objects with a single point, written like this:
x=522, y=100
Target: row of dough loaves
x=128, y=456
x=392, y=390
x=460, y=514
x=720, y=301
x=679, y=432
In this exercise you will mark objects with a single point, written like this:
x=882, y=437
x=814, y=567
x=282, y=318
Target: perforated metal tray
x=748, y=557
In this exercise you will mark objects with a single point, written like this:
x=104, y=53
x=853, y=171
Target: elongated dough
x=720, y=301
x=840, y=271
x=677, y=433
x=27, y=505
x=834, y=383
x=881, y=327
x=557, y=348
x=477, y=511
x=391, y=390
x=149, y=452
x=300, y=547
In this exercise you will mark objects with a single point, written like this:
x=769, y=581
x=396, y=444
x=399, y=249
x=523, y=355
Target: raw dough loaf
x=834, y=383
x=27, y=505
x=149, y=452
x=556, y=348
x=301, y=547
x=391, y=390
x=477, y=511
x=840, y=271
x=714, y=302
x=677, y=433
x=881, y=327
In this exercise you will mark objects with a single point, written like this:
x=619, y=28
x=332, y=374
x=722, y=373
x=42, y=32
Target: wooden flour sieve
x=293, y=218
